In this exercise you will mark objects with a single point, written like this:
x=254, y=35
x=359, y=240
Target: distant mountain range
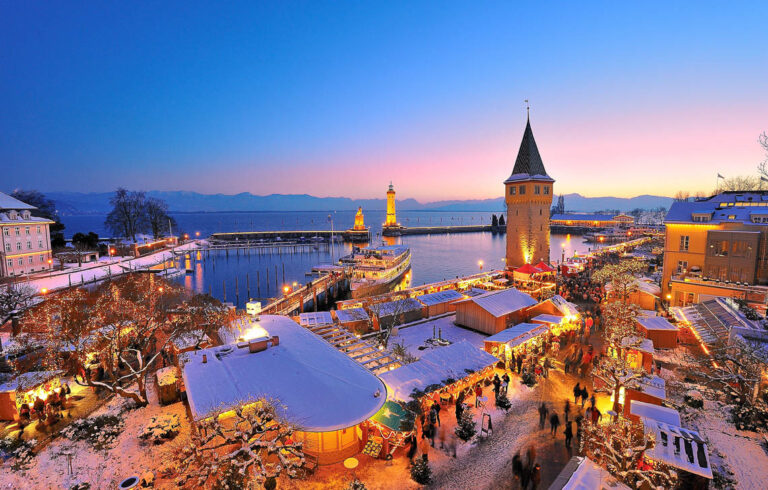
x=77, y=203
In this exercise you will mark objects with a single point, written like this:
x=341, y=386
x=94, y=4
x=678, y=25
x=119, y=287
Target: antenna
x=527, y=108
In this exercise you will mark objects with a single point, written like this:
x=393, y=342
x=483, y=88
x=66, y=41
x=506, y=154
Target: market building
x=717, y=246
x=494, y=311
x=25, y=240
x=658, y=329
x=322, y=390
x=596, y=221
x=520, y=338
x=440, y=302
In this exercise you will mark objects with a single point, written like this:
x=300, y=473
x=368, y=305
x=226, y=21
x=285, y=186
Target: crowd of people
x=48, y=411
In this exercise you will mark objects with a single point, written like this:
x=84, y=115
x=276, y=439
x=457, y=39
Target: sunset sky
x=338, y=98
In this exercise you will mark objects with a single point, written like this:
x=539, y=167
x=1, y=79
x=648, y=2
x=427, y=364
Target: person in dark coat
x=554, y=423
x=584, y=396
x=517, y=466
x=459, y=405
x=412, y=448
x=519, y=364
x=567, y=409
x=576, y=393
x=543, y=411
x=436, y=407
x=496, y=385
x=568, y=434
x=536, y=476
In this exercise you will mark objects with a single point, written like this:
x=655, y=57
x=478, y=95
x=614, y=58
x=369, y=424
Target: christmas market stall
x=659, y=330
x=26, y=388
x=494, y=311
x=356, y=320
x=638, y=352
x=440, y=302
x=520, y=339
x=441, y=373
x=388, y=430
x=320, y=389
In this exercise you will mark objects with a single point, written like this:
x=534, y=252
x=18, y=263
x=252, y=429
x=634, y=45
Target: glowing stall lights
x=255, y=332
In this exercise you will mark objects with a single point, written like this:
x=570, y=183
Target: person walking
x=592, y=400
x=596, y=415
x=543, y=411
x=554, y=423
x=536, y=476
x=412, y=446
x=584, y=396
x=496, y=385
x=568, y=434
x=436, y=408
x=459, y=406
x=519, y=364
x=517, y=466
x=506, y=379
x=576, y=392
x=433, y=418
x=567, y=409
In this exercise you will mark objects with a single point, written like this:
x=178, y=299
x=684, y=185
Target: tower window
x=512, y=190
x=537, y=189
x=546, y=190
x=522, y=189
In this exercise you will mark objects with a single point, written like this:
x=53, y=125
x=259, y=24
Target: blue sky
x=339, y=98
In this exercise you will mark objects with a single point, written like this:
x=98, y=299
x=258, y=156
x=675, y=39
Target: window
x=546, y=190
x=731, y=216
x=29, y=245
x=512, y=190
x=684, y=239
x=18, y=246
x=26, y=230
x=42, y=258
x=7, y=231
x=31, y=260
x=540, y=213
x=38, y=229
x=682, y=266
x=17, y=231
x=40, y=243
x=21, y=261
x=537, y=189
x=9, y=262
x=7, y=247
x=522, y=189
x=719, y=248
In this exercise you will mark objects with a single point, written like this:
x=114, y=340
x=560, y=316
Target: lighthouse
x=391, y=218
x=359, y=220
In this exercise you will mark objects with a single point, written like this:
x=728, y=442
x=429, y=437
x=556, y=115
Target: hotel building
x=25, y=240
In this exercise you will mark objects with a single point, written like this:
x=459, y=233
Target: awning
x=394, y=417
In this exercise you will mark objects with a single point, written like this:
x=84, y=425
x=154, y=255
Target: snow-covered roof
x=655, y=323
x=726, y=207
x=654, y=412
x=352, y=315
x=8, y=202
x=583, y=217
x=643, y=285
x=713, y=319
x=564, y=306
x=315, y=318
x=581, y=473
x=315, y=386
x=652, y=385
x=638, y=343
x=440, y=297
x=503, y=302
x=29, y=380
x=545, y=318
x=395, y=307
x=678, y=447
x=472, y=292
x=190, y=339
x=518, y=334
x=455, y=361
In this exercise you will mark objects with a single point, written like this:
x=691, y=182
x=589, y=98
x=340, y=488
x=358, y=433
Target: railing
x=295, y=299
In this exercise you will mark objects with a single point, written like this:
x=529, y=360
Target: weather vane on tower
x=527, y=108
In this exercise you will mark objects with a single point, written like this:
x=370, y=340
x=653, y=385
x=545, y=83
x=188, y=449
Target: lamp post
x=50, y=267
x=480, y=264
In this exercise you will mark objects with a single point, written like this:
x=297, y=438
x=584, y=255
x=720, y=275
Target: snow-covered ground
x=103, y=469
x=414, y=336
x=106, y=267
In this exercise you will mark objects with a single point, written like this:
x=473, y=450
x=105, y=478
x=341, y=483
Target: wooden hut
x=354, y=319
x=513, y=339
x=25, y=388
x=440, y=302
x=659, y=330
x=494, y=311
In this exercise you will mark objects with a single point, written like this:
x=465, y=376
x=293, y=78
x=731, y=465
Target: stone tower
x=391, y=218
x=528, y=196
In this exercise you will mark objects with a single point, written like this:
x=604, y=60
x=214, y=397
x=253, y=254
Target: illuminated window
x=682, y=266
x=684, y=239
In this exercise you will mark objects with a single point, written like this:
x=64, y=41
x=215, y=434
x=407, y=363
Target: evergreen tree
x=421, y=472
x=466, y=427
x=494, y=221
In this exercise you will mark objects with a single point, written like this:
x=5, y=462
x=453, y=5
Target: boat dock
x=293, y=236
x=435, y=230
x=324, y=289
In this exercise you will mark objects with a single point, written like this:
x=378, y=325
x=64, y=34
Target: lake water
x=434, y=257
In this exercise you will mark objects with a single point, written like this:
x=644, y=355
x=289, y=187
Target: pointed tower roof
x=528, y=165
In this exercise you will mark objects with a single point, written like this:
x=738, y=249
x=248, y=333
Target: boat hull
x=379, y=287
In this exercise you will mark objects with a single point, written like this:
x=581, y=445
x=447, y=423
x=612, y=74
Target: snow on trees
x=619, y=447
x=120, y=329
x=248, y=442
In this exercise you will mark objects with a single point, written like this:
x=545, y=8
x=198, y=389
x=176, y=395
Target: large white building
x=25, y=240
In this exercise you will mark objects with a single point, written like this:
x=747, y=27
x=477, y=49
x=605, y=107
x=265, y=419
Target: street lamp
x=480, y=263
x=286, y=290
x=44, y=291
x=50, y=267
x=197, y=233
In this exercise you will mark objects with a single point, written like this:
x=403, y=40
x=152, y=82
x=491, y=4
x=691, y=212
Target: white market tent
x=655, y=412
x=318, y=387
x=653, y=385
x=518, y=334
x=455, y=361
x=564, y=306
x=655, y=323
x=545, y=318
x=315, y=319
x=678, y=447
x=581, y=473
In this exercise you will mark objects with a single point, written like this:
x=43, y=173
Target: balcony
x=750, y=292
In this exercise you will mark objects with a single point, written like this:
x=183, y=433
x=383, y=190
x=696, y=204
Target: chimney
x=205, y=359
x=257, y=345
x=275, y=341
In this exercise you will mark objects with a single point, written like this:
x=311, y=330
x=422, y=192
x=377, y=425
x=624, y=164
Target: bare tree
x=739, y=183
x=251, y=444
x=15, y=297
x=762, y=168
x=127, y=218
x=682, y=196
x=158, y=218
x=619, y=447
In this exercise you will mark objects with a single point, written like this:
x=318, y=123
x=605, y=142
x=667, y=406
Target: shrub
x=503, y=402
x=356, y=485
x=528, y=379
x=466, y=427
x=161, y=428
x=18, y=451
x=694, y=399
x=421, y=473
x=100, y=431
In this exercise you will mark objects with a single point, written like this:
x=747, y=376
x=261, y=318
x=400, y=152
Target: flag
x=720, y=176
x=763, y=179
